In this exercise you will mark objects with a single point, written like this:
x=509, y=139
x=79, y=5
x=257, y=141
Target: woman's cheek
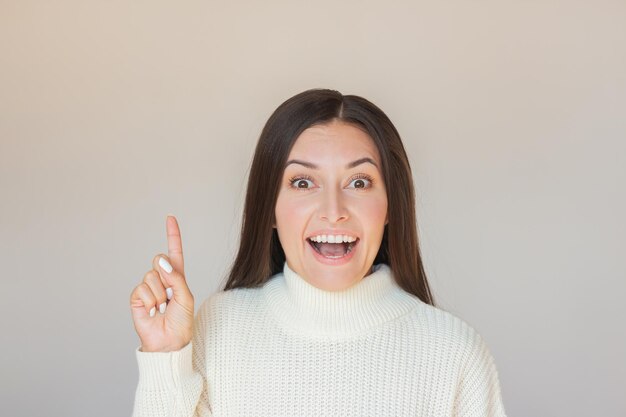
x=375, y=209
x=290, y=213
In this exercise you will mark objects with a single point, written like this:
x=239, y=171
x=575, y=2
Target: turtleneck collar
x=311, y=311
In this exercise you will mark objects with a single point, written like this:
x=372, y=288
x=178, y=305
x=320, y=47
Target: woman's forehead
x=337, y=140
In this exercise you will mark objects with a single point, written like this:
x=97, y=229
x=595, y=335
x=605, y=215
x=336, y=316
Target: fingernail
x=169, y=293
x=152, y=311
x=165, y=265
x=162, y=308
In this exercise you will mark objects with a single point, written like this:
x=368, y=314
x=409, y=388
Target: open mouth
x=333, y=250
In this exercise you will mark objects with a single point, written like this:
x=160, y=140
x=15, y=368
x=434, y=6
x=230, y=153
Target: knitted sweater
x=290, y=349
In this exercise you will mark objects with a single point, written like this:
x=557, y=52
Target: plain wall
x=114, y=114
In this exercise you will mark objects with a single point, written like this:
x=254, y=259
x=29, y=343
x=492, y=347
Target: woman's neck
x=306, y=309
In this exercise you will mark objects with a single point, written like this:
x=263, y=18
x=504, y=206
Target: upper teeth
x=332, y=238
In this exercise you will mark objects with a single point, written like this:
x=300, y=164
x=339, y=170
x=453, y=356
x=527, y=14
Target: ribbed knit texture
x=291, y=349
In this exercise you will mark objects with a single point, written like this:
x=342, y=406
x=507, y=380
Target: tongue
x=332, y=249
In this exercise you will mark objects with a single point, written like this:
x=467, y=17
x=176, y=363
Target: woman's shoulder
x=448, y=328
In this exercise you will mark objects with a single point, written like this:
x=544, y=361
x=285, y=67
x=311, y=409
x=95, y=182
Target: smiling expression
x=332, y=190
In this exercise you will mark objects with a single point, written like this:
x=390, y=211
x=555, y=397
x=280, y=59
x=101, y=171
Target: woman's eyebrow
x=350, y=165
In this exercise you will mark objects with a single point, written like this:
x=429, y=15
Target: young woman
x=327, y=310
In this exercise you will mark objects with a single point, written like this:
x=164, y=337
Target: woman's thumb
x=175, y=283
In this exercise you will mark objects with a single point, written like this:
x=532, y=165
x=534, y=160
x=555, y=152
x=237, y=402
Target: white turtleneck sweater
x=291, y=349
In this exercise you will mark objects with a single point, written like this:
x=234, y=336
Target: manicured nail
x=165, y=265
x=169, y=293
x=162, y=308
x=152, y=311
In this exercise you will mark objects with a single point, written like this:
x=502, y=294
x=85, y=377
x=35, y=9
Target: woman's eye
x=301, y=183
x=361, y=183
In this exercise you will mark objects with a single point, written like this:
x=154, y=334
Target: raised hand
x=162, y=305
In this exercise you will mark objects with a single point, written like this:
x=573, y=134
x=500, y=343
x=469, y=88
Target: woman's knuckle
x=144, y=290
x=149, y=275
x=156, y=285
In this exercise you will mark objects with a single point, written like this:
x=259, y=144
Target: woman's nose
x=332, y=207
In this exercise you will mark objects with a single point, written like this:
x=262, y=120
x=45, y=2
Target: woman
x=327, y=310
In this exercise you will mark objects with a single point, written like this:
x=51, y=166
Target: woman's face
x=332, y=186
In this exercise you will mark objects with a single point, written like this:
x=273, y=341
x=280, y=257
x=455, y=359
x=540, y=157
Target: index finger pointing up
x=174, y=244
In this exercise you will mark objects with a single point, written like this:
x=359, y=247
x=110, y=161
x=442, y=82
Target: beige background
x=115, y=113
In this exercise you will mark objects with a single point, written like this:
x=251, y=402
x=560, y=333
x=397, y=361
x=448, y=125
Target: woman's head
x=332, y=193
x=329, y=130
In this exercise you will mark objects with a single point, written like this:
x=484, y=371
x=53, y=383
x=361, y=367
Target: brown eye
x=301, y=183
x=361, y=183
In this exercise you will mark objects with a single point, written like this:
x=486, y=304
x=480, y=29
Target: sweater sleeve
x=478, y=393
x=174, y=384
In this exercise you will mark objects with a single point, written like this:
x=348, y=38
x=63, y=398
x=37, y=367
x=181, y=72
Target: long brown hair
x=260, y=253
